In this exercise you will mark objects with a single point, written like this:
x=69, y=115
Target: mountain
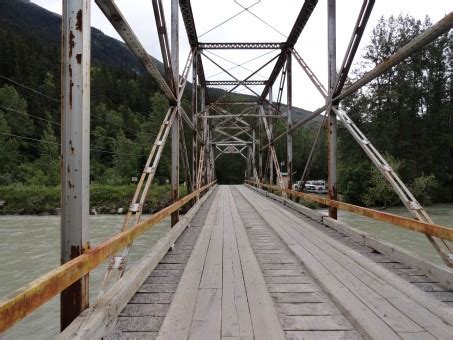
x=26, y=18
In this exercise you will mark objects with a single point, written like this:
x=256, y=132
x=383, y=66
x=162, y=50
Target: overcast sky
x=280, y=14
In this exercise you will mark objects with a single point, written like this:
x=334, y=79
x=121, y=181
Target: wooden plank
x=289, y=279
x=139, y=323
x=179, y=317
x=156, y=309
x=99, y=320
x=236, y=319
x=321, y=308
x=292, y=288
x=206, y=321
x=263, y=313
x=322, y=335
x=315, y=322
x=212, y=270
x=300, y=297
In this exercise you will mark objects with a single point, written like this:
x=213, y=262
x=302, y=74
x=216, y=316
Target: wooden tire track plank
x=236, y=318
x=263, y=313
x=412, y=309
x=178, y=320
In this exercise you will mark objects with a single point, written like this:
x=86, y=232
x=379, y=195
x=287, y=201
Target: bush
x=38, y=199
x=425, y=189
x=380, y=192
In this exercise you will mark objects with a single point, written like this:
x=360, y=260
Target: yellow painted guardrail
x=25, y=300
x=436, y=230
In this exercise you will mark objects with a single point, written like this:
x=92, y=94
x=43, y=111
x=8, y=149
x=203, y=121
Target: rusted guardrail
x=25, y=300
x=403, y=222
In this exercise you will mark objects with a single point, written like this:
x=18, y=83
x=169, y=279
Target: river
x=29, y=247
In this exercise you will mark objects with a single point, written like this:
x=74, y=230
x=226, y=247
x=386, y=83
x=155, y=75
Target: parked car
x=318, y=187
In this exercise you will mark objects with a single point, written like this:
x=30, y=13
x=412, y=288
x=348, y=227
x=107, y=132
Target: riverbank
x=104, y=199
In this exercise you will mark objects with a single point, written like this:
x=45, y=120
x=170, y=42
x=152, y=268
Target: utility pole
x=75, y=150
x=332, y=127
x=175, y=125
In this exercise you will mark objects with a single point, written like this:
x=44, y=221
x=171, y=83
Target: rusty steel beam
x=116, y=18
x=418, y=43
x=23, y=301
x=75, y=149
x=301, y=21
x=357, y=34
x=172, y=78
x=189, y=23
x=332, y=119
x=430, y=229
x=240, y=46
x=174, y=73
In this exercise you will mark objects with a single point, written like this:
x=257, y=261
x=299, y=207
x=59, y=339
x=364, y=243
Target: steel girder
x=236, y=82
x=240, y=46
x=189, y=23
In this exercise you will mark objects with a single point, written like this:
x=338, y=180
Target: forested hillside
x=407, y=113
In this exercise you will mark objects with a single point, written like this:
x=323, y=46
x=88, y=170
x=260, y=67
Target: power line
x=56, y=123
x=260, y=19
x=243, y=63
x=59, y=144
x=29, y=88
x=28, y=114
x=232, y=62
x=58, y=101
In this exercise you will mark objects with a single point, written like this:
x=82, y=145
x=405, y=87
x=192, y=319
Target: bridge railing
x=25, y=300
x=431, y=229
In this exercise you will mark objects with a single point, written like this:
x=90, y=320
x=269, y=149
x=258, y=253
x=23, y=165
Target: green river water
x=29, y=247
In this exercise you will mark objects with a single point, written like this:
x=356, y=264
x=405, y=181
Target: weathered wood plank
x=156, y=309
x=292, y=288
x=206, y=321
x=321, y=308
x=236, y=319
x=212, y=270
x=179, y=317
x=139, y=323
x=263, y=313
x=322, y=335
x=315, y=323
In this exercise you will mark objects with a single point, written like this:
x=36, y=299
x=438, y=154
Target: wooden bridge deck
x=248, y=267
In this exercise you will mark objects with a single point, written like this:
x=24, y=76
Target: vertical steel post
x=254, y=155
x=194, y=119
x=332, y=128
x=75, y=149
x=260, y=153
x=175, y=125
x=289, y=136
x=271, y=129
